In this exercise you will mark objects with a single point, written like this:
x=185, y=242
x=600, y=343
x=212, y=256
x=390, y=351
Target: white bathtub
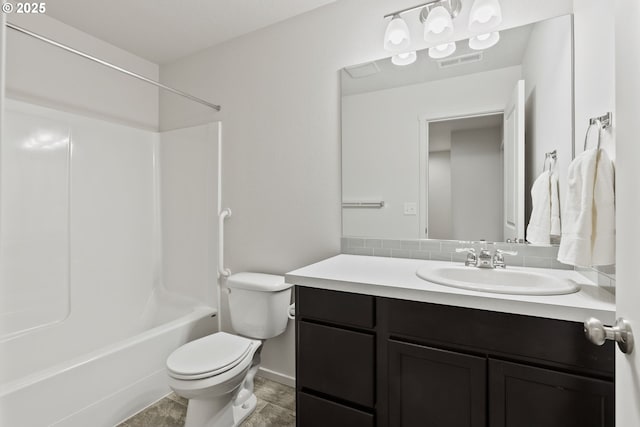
x=107, y=385
x=106, y=262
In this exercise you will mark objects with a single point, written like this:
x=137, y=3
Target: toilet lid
x=208, y=356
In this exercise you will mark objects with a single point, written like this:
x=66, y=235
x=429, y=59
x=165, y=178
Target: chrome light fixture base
x=452, y=6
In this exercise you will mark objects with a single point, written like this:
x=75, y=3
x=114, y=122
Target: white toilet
x=216, y=372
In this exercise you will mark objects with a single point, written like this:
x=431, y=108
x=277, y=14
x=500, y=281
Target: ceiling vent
x=362, y=70
x=460, y=60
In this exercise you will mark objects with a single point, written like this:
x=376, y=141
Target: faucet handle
x=472, y=259
x=498, y=258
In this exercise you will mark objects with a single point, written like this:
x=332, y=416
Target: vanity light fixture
x=405, y=58
x=438, y=24
x=437, y=17
x=442, y=50
x=396, y=37
x=484, y=41
x=484, y=15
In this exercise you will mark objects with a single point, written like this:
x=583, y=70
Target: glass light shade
x=484, y=41
x=438, y=26
x=405, y=58
x=396, y=37
x=442, y=50
x=484, y=15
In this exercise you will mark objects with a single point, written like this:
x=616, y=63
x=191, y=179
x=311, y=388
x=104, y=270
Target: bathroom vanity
x=378, y=346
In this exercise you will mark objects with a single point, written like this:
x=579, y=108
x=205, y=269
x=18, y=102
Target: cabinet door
x=525, y=396
x=431, y=387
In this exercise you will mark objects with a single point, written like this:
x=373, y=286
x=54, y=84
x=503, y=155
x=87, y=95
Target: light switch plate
x=410, y=208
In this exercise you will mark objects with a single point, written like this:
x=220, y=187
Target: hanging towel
x=604, y=213
x=588, y=229
x=556, y=228
x=539, y=228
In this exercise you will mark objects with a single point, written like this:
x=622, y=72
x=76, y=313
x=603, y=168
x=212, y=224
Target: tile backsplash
x=445, y=250
x=603, y=276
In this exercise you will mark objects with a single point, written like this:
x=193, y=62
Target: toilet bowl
x=216, y=372
x=213, y=383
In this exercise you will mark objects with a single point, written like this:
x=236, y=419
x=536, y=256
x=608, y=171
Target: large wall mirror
x=449, y=148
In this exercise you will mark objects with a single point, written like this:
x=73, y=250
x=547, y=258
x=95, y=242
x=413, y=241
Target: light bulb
x=404, y=58
x=442, y=50
x=484, y=15
x=438, y=26
x=396, y=37
x=484, y=41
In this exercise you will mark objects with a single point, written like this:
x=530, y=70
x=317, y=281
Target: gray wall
x=43, y=74
x=439, y=194
x=476, y=184
x=280, y=93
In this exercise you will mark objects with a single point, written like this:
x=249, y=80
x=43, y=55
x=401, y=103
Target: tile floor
x=276, y=408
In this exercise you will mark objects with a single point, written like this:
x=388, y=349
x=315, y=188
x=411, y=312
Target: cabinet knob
x=621, y=333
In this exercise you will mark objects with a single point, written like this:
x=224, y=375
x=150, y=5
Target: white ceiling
x=165, y=30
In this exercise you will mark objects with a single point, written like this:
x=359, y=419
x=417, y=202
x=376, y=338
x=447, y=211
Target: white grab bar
x=224, y=214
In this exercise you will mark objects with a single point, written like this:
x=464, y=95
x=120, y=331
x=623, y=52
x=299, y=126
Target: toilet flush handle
x=291, y=312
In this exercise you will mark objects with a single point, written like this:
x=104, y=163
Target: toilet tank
x=258, y=304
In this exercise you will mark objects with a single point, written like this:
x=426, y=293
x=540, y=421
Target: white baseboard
x=277, y=377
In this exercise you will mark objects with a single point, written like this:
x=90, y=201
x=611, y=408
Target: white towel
x=604, y=213
x=556, y=228
x=588, y=235
x=539, y=228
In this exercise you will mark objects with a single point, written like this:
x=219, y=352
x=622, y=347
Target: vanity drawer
x=335, y=307
x=316, y=412
x=550, y=342
x=336, y=362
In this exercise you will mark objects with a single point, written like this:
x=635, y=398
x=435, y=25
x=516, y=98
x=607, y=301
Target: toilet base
x=242, y=412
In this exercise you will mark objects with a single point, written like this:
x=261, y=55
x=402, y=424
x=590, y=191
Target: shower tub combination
x=108, y=265
x=108, y=238
x=98, y=283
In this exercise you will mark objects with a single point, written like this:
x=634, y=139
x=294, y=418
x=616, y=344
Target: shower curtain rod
x=112, y=66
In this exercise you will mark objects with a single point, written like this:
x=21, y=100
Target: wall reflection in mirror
x=452, y=146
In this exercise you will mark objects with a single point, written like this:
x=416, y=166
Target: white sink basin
x=514, y=280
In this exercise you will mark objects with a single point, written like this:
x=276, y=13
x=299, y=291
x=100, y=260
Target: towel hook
x=603, y=122
x=552, y=158
x=593, y=122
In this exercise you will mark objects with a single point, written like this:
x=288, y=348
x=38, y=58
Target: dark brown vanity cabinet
x=439, y=386
x=372, y=361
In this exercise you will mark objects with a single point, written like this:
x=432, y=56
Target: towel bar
x=374, y=205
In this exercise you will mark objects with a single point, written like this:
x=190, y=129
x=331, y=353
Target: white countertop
x=396, y=278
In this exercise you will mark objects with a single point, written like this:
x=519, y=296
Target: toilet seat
x=209, y=356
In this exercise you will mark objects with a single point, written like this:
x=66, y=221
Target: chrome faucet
x=485, y=259
x=498, y=258
x=472, y=259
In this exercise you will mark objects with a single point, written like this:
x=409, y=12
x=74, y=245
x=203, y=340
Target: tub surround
x=396, y=278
